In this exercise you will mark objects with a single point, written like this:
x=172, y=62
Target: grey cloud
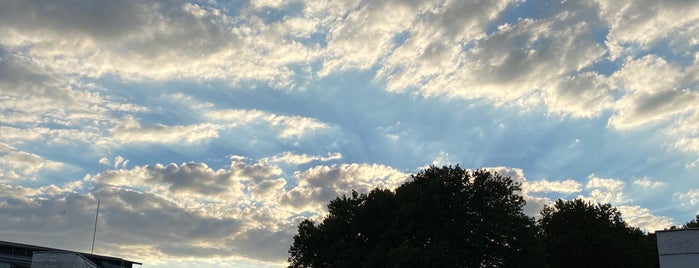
x=130, y=217
x=138, y=40
x=126, y=218
x=537, y=48
x=15, y=72
x=267, y=189
x=257, y=172
x=666, y=102
x=197, y=177
x=102, y=19
x=262, y=244
x=187, y=250
x=60, y=221
x=467, y=19
x=21, y=78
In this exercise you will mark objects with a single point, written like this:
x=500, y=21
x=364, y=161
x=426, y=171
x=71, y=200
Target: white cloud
x=647, y=183
x=689, y=198
x=289, y=126
x=546, y=186
x=20, y=165
x=595, y=182
x=13, y=134
x=300, y=159
x=655, y=93
x=582, y=95
x=643, y=218
x=131, y=131
x=641, y=24
x=516, y=174
x=605, y=190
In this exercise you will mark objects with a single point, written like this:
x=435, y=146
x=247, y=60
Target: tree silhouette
x=581, y=234
x=443, y=217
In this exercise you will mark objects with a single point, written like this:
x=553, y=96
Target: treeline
x=451, y=217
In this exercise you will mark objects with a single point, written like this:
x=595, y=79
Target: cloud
x=150, y=40
x=197, y=180
x=586, y=94
x=20, y=165
x=299, y=159
x=131, y=131
x=656, y=92
x=689, y=198
x=245, y=212
x=317, y=185
x=647, y=183
x=640, y=25
x=71, y=76
x=643, y=218
x=546, y=186
x=509, y=64
x=595, y=182
x=289, y=126
x=605, y=190
x=516, y=174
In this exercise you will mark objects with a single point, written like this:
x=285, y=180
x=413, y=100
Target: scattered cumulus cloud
x=644, y=219
x=689, y=198
x=647, y=183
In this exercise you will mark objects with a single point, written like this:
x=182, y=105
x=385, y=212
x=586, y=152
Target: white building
x=678, y=248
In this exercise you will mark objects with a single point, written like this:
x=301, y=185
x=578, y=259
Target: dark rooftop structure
x=16, y=255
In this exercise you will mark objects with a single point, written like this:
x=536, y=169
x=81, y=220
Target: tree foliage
x=451, y=217
x=443, y=217
x=577, y=233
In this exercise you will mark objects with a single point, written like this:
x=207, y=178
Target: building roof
x=33, y=248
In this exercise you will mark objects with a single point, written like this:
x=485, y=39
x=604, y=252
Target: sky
x=208, y=130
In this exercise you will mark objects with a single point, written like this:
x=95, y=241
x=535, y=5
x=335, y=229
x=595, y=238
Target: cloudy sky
x=208, y=130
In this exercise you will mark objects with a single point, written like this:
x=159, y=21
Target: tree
x=577, y=233
x=692, y=224
x=443, y=217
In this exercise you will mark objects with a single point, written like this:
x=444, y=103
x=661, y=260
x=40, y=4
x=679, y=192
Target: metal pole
x=94, y=232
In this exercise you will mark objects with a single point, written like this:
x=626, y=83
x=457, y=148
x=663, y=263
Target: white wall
x=678, y=248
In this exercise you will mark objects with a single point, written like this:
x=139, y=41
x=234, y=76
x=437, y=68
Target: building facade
x=678, y=248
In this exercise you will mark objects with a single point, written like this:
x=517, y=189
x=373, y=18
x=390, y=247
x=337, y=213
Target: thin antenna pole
x=94, y=232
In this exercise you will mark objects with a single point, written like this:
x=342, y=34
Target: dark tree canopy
x=577, y=233
x=443, y=217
